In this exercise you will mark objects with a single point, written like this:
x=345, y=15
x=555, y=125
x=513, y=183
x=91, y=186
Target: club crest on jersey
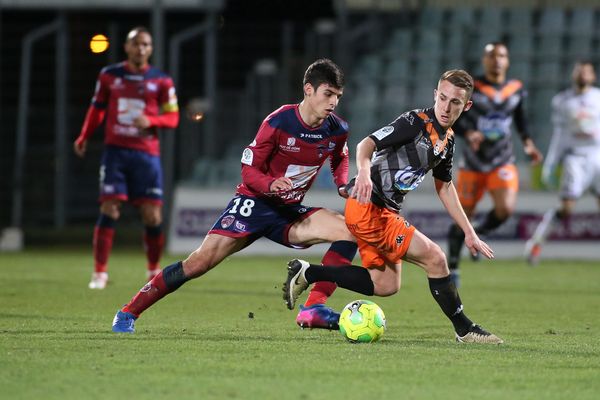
x=436, y=149
x=227, y=221
x=151, y=86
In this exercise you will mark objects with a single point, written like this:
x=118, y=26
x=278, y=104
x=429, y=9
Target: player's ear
x=308, y=89
x=434, y=95
x=468, y=105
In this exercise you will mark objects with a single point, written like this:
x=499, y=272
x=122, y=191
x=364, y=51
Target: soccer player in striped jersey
x=576, y=143
x=417, y=142
x=488, y=157
x=134, y=99
x=278, y=168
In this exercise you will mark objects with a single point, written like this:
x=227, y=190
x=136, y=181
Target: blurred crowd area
x=392, y=52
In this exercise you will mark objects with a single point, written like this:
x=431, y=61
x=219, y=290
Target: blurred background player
x=488, y=157
x=136, y=99
x=575, y=143
x=405, y=151
x=278, y=168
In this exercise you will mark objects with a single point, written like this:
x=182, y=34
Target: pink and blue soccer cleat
x=123, y=322
x=318, y=316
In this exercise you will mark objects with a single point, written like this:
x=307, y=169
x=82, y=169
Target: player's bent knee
x=386, y=291
x=111, y=208
x=436, y=261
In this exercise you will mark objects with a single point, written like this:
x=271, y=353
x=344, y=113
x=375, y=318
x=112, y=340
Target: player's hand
x=363, y=186
x=79, y=147
x=532, y=152
x=476, y=245
x=141, y=122
x=280, y=184
x=474, y=139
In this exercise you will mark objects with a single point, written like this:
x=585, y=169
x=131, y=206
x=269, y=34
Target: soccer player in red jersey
x=135, y=99
x=488, y=162
x=278, y=168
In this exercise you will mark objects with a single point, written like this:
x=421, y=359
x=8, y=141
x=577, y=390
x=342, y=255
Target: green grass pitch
x=200, y=342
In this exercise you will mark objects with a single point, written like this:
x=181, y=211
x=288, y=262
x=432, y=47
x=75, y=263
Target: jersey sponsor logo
x=311, y=135
x=291, y=141
x=383, y=132
x=494, y=126
x=227, y=221
x=134, y=77
x=290, y=148
x=408, y=179
x=151, y=86
x=248, y=156
x=128, y=110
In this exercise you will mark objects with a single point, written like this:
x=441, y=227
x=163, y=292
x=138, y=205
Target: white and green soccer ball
x=362, y=321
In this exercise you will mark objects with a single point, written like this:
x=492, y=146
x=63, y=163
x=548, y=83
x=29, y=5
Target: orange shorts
x=471, y=184
x=382, y=236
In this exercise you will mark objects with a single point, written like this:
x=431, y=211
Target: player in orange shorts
x=404, y=152
x=488, y=159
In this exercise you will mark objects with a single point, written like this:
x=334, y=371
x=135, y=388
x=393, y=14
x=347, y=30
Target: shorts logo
x=505, y=174
x=399, y=240
x=227, y=221
x=146, y=288
x=239, y=226
x=302, y=210
x=108, y=189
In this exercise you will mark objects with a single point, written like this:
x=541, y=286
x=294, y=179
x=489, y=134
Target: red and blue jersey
x=123, y=95
x=286, y=146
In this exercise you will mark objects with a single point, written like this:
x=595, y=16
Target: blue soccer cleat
x=318, y=316
x=123, y=322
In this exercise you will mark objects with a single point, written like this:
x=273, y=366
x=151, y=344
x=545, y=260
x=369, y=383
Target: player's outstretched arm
x=449, y=198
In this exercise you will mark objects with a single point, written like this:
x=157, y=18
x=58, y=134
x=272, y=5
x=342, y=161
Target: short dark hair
x=324, y=71
x=136, y=31
x=459, y=78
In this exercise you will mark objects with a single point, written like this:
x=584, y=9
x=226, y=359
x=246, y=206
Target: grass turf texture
x=200, y=342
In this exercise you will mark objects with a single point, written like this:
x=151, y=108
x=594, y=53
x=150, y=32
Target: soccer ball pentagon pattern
x=362, y=321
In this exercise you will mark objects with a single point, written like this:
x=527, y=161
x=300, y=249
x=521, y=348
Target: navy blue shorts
x=252, y=218
x=130, y=175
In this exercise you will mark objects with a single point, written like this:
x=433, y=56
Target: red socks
x=103, y=241
x=148, y=295
x=154, y=242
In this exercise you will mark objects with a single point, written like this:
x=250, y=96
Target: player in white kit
x=575, y=143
